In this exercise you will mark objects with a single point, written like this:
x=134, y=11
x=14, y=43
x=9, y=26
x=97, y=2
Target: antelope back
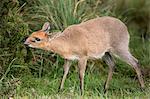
x=91, y=38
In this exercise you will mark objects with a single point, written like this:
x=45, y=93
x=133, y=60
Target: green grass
x=121, y=87
x=44, y=84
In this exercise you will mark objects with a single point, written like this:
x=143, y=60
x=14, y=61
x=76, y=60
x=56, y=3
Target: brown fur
x=88, y=40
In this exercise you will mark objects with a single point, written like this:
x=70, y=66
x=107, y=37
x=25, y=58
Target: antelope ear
x=46, y=27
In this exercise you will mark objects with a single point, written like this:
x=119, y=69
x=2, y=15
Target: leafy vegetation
x=32, y=73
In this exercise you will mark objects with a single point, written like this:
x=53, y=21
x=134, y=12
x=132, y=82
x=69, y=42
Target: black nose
x=24, y=39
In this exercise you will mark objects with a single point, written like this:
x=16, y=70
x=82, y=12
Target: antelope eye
x=33, y=41
x=37, y=39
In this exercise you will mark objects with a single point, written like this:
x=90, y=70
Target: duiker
x=93, y=39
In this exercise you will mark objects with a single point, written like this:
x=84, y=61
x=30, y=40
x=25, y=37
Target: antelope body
x=93, y=39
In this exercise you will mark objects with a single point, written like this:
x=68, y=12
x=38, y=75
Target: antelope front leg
x=82, y=66
x=66, y=69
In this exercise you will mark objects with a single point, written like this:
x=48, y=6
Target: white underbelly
x=96, y=56
x=72, y=57
x=92, y=56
